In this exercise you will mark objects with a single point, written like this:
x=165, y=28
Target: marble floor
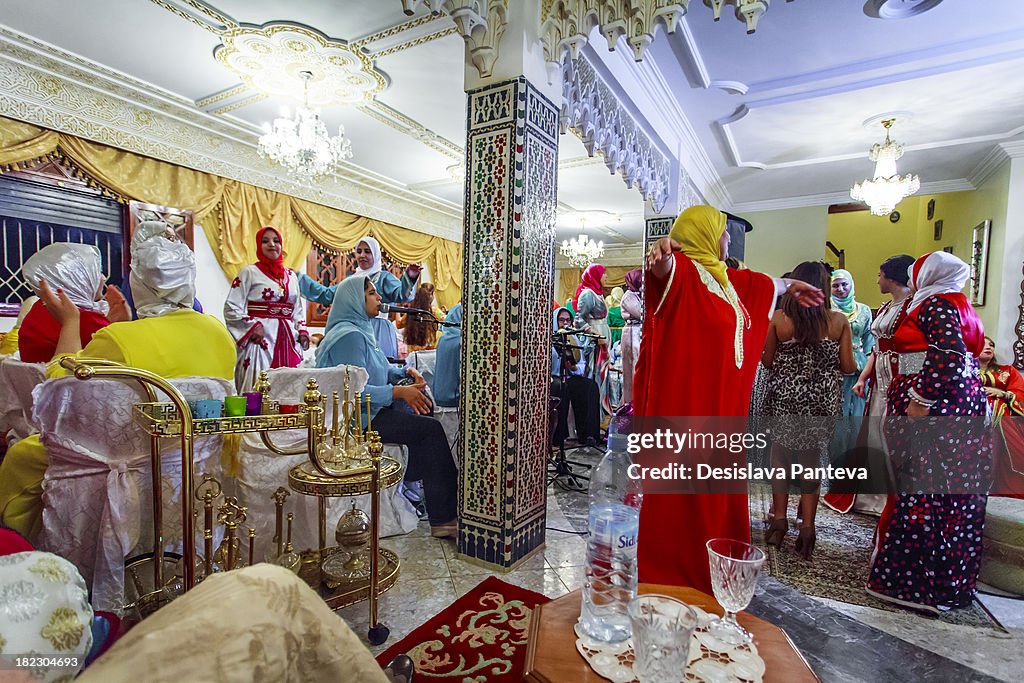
x=843, y=643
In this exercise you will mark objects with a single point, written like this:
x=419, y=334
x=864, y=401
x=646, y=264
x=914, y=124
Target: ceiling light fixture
x=303, y=145
x=887, y=188
x=581, y=251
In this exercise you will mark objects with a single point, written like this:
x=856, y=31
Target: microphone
x=390, y=308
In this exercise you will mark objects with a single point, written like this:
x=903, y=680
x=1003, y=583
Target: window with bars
x=35, y=214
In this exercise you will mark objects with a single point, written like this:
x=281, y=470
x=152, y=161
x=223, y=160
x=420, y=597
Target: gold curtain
x=615, y=276
x=232, y=212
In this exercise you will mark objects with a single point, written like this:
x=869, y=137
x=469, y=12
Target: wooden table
x=552, y=657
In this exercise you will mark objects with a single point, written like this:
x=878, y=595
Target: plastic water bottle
x=614, y=525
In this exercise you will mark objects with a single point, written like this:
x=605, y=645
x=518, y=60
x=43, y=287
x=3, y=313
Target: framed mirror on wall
x=979, y=262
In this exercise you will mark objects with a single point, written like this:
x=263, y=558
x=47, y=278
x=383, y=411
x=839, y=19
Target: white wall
x=212, y=284
x=782, y=239
x=1012, y=262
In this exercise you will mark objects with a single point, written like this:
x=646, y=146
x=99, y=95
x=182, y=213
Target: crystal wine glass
x=734, y=570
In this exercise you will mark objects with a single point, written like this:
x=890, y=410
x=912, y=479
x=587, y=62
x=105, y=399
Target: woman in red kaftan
x=702, y=338
x=1004, y=389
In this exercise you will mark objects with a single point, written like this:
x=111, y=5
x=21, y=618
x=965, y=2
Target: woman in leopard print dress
x=807, y=352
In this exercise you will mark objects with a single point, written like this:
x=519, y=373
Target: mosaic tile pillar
x=509, y=252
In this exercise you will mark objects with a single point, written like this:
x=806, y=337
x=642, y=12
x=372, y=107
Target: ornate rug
x=479, y=638
x=839, y=567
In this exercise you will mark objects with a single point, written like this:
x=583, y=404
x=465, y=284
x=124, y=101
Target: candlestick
x=369, y=427
x=252, y=546
x=335, y=427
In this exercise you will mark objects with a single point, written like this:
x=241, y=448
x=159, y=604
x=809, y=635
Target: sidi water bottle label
x=615, y=527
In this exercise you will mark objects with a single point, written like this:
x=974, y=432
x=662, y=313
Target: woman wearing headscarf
x=390, y=288
x=77, y=270
x=169, y=339
x=448, y=361
x=1004, y=389
x=145, y=231
x=928, y=545
x=350, y=340
x=264, y=313
x=632, y=308
x=873, y=385
x=592, y=318
x=703, y=333
x=859, y=317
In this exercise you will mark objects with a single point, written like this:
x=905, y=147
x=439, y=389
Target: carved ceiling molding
x=270, y=58
x=591, y=109
x=566, y=24
x=47, y=87
x=414, y=129
x=481, y=23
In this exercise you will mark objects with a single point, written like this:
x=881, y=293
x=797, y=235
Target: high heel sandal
x=777, y=532
x=805, y=542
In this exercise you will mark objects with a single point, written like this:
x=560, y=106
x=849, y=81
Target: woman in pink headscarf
x=928, y=544
x=592, y=318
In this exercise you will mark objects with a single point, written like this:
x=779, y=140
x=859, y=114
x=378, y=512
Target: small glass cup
x=734, y=569
x=662, y=627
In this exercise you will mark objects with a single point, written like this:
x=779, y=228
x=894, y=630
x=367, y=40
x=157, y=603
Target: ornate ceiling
x=759, y=121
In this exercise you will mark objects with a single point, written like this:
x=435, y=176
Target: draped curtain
x=615, y=276
x=231, y=212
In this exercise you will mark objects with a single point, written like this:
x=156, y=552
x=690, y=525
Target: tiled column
x=509, y=239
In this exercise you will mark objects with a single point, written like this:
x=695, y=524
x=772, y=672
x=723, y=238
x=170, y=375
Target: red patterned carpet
x=479, y=637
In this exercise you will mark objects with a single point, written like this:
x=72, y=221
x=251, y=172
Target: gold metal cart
x=315, y=478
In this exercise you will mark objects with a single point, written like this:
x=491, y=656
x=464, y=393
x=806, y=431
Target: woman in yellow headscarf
x=703, y=334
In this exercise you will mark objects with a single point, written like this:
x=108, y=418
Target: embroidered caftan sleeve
x=311, y=290
x=236, y=315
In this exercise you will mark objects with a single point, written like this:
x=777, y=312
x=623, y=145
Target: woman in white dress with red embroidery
x=264, y=313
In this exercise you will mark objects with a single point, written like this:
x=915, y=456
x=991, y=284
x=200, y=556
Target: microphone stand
x=560, y=469
x=430, y=317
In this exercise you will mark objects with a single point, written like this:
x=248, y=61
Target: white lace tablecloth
x=711, y=660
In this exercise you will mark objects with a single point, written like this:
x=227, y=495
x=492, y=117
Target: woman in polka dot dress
x=928, y=545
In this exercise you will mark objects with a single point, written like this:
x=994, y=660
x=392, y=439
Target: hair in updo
x=896, y=268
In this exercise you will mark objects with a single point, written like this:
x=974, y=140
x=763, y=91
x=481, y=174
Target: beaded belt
x=911, y=363
x=279, y=311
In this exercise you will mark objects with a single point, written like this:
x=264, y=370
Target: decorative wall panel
x=512, y=167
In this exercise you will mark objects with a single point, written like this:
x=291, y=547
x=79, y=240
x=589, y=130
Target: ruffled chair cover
x=97, y=491
x=17, y=380
x=424, y=362
x=261, y=472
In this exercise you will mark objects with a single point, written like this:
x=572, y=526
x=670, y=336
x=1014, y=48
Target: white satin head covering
x=75, y=268
x=937, y=273
x=163, y=274
x=147, y=230
x=375, y=249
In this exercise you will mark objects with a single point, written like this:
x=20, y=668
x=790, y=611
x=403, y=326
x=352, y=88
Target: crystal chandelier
x=887, y=188
x=303, y=145
x=581, y=251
